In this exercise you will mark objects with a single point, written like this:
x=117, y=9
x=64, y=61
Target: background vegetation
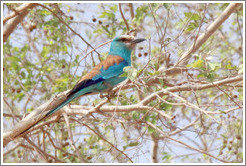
x=194, y=115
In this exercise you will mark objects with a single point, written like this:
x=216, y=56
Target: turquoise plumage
x=106, y=74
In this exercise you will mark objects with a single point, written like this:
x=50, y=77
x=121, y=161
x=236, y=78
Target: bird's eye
x=123, y=39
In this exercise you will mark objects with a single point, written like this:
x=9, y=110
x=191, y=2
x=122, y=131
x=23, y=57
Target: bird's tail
x=68, y=100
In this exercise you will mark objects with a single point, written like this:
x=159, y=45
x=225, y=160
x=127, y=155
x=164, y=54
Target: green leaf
x=228, y=66
x=130, y=145
x=64, y=48
x=224, y=136
x=15, y=66
x=197, y=64
x=131, y=72
x=127, y=68
x=141, y=12
x=16, y=49
x=166, y=156
x=124, y=75
x=167, y=5
x=19, y=96
x=192, y=16
x=135, y=115
x=156, y=73
x=49, y=69
x=45, y=51
x=210, y=76
x=147, y=118
x=150, y=130
x=29, y=110
x=153, y=121
x=165, y=106
x=23, y=74
x=192, y=26
x=168, y=39
x=114, y=8
x=45, y=12
x=222, y=111
x=106, y=29
x=188, y=14
x=214, y=65
x=14, y=59
x=240, y=97
x=133, y=144
x=240, y=154
x=134, y=73
x=202, y=75
x=161, y=82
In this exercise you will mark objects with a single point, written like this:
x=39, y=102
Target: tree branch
x=38, y=113
x=33, y=118
x=17, y=11
x=15, y=18
x=155, y=144
x=190, y=88
x=202, y=39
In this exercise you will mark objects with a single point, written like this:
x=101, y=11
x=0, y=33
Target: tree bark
x=11, y=21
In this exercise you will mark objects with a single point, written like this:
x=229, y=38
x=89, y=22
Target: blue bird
x=105, y=75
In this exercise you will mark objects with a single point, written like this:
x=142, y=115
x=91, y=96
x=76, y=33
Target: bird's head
x=123, y=45
x=126, y=41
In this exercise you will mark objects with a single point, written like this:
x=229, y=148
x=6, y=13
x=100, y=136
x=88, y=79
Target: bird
x=104, y=75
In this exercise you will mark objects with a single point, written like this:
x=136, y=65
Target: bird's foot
x=101, y=95
x=109, y=94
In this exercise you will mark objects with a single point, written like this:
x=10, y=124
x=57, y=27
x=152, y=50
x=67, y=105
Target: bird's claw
x=110, y=94
x=101, y=95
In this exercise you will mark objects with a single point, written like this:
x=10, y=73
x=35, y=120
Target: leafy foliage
x=43, y=57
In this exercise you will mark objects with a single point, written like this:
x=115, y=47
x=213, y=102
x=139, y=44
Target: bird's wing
x=112, y=66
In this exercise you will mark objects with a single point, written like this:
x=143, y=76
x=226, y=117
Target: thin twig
x=200, y=25
x=201, y=39
x=108, y=142
x=71, y=137
x=68, y=26
x=188, y=104
x=12, y=149
x=87, y=55
x=122, y=15
x=180, y=142
x=228, y=95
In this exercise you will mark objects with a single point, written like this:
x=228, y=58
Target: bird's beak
x=135, y=41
